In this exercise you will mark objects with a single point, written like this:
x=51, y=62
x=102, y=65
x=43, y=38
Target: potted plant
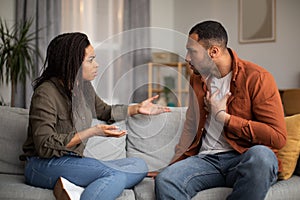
x=17, y=53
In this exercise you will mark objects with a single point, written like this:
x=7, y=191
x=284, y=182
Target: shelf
x=183, y=70
x=154, y=90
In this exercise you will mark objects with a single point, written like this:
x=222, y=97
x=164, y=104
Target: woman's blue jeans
x=250, y=174
x=101, y=179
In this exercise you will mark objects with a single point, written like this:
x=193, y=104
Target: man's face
x=198, y=58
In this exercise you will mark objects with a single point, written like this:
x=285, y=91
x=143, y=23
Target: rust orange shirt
x=255, y=107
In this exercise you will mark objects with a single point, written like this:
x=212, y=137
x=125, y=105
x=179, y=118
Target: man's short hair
x=211, y=33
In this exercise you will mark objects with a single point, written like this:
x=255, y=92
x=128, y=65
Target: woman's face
x=89, y=65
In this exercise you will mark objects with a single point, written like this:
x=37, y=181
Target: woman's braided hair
x=65, y=53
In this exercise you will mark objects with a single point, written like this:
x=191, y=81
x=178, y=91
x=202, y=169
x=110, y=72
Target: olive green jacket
x=53, y=119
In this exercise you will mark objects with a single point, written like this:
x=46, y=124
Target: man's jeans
x=250, y=175
x=101, y=179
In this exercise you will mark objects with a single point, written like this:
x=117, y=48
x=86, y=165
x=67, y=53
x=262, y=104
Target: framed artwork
x=257, y=21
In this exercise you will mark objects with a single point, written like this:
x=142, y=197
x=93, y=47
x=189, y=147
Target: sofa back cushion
x=13, y=133
x=153, y=138
x=106, y=148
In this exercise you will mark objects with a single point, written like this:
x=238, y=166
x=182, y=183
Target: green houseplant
x=17, y=53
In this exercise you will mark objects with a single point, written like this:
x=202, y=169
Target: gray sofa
x=150, y=137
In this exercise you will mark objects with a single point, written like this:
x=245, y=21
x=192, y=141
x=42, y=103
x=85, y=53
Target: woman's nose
x=96, y=64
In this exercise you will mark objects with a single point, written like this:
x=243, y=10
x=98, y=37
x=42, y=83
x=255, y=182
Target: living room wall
x=279, y=57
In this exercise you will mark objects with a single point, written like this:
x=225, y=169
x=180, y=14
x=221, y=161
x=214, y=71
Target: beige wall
x=279, y=57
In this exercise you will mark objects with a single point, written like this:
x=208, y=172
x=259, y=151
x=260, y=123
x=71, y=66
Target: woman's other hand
x=109, y=131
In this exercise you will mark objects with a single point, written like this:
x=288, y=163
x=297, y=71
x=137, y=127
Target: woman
x=62, y=107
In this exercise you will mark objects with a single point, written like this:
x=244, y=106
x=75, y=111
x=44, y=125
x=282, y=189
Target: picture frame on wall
x=257, y=21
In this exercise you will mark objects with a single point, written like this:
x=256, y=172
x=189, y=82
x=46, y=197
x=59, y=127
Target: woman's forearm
x=82, y=135
x=133, y=109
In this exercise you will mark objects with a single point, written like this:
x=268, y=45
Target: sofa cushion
x=13, y=123
x=14, y=187
x=145, y=190
x=127, y=194
x=106, y=148
x=284, y=189
x=153, y=137
x=289, y=154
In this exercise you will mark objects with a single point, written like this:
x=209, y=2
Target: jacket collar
x=235, y=64
x=235, y=68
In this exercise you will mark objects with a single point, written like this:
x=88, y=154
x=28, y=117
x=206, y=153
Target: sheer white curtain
x=47, y=17
x=107, y=24
x=114, y=28
x=100, y=20
x=137, y=24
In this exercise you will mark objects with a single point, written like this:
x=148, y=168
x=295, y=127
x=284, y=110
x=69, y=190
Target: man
x=234, y=124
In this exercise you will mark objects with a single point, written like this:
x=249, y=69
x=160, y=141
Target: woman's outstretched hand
x=148, y=108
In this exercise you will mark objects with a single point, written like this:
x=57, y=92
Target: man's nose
x=187, y=58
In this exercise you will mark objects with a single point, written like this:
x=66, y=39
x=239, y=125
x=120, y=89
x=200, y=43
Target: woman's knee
x=109, y=186
x=140, y=164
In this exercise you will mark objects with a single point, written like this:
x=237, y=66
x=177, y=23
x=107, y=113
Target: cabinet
x=179, y=87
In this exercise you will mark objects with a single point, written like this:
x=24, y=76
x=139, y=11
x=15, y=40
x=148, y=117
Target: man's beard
x=206, y=67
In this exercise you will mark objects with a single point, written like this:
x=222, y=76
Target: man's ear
x=214, y=51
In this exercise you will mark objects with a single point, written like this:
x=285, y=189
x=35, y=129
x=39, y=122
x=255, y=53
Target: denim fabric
x=101, y=179
x=250, y=175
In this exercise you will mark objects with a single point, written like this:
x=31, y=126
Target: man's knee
x=261, y=157
x=161, y=179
